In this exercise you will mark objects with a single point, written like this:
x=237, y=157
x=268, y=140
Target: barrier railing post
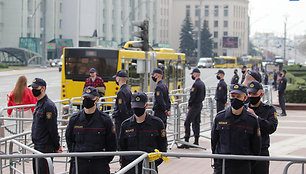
x=223, y=166
x=211, y=106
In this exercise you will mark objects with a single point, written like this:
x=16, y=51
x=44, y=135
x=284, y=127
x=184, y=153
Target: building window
x=225, y=24
x=60, y=23
x=216, y=11
x=206, y=24
x=60, y=36
x=215, y=54
x=215, y=23
x=226, y=10
x=206, y=10
x=215, y=44
x=197, y=10
x=225, y=33
x=216, y=34
x=187, y=10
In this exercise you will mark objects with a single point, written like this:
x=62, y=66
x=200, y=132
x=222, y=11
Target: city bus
x=78, y=61
x=225, y=62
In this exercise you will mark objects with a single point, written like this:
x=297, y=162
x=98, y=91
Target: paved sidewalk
x=27, y=70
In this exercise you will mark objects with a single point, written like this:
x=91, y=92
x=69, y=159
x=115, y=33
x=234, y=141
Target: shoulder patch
x=219, y=88
x=129, y=130
x=49, y=115
x=258, y=132
x=157, y=93
x=120, y=101
x=163, y=133
x=275, y=115
x=113, y=130
x=281, y=81
x=192, y=89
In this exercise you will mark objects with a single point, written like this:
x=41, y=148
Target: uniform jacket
x=122, y=108
x=235, y=79
x=97, y=135
x=221, y=92
x=236, y=135
x=27, y=98
x=267, y=119
x=162, y=102
x=44, y=126
x=282, y=85
x=197, y=93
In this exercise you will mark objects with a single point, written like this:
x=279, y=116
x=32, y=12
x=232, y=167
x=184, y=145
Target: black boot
x=184, y=146
x=196, y=141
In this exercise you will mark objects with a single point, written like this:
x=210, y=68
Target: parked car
x=205, y=62
x=291, y=62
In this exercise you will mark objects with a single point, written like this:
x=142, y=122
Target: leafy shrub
x=3, y=65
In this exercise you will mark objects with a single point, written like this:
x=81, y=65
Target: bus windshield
x=79, y=61
x=219, y=61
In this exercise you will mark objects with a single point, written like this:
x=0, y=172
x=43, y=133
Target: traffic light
x=143, y=34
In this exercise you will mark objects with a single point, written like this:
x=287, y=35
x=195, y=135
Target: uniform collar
x=83, y=117
x=242, y=116
x=198, y=79
x=123, y=86
x=161, y=81
x=148, y=117
x=41, y=101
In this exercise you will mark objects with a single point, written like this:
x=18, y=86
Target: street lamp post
x=43, y=38
x=199, y=30
x=285, y=35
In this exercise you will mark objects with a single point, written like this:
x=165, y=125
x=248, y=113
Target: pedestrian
x=141, y=132
x=266, y=80
x=96, y=82
x=21, y=95
x=282, y=91
x=243, y=71
x=45, y=135
x=221, y=91
x=122, y=110
x=235, y=131
x=235, y=78
x=91, y=130
x=267, y=119
x=162, y=104
x=197, y=95
x=251, y=76
x=275, y=80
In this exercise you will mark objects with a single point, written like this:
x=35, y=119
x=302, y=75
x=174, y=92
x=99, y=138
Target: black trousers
x=43, y=167
x=194, y=117
x=281, y=99
x=90, y=166
x=232, y=166
x=162, y=115
x=261, y=167
x=220, y=106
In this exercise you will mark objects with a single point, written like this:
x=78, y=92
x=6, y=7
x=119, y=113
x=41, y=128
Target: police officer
x=235, y=131
x=197, y=95
x=91, y=130
x=252, y=75
x=44, y=127
x=235, y=78
x=267, y=119
x=243, y=71
x=282, y=91
x=275, y=80
x=221, y=91
x=162, y=105
x=122, y=108
x=142, y=132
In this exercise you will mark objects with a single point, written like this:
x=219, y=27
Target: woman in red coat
x=21, y=95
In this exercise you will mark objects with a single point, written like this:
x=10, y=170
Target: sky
x=269, y=16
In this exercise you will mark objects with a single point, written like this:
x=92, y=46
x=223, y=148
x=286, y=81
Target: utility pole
x=43, y=38
x=199, y=30
x=285, y=35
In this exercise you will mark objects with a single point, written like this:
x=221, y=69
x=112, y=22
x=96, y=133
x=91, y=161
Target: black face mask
x=254, y=100
x=236, y=103
x=242, y=72
x=280, y=75
x=192, y=77
x=235, y=72
x=117, y=83
x=88, y=103
x=218, y=77
x=36, y=92
x=154, y=78
x=139, y=111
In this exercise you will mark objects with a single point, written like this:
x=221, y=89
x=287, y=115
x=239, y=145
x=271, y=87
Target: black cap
x=220, y=71
x=236, y=70
x=90, y=92
x=244, y=67
x=38, y=82
x=254, y=86
x=238, y=88
x=139, y=100
x=255, y=75
x=158, y=71
x=120, y=73
x=92, y=70
x=285, y=71
x=196, y=70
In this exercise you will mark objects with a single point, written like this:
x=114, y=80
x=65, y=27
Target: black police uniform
x=235, y=135
x=267, y=119
x=281, y=93
x=95, y=135
x=275, y=81
x=146, y=136
x=242, y=78
x=235, y=79
x=162, y=102
x=197, y=95
x=122, y=109
x=44, y=131
x=221, y=95
x=266, y=80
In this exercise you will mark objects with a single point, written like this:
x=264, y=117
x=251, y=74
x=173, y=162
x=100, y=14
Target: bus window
x=134, y=78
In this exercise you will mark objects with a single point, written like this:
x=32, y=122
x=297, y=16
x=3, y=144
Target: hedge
x=296, y=91
x=3, y=65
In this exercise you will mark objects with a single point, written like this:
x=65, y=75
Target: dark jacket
x=162, y=102
x=122, y=108
x=282, y=85
x=221, y=92
x=197, y=93
x=235, y=79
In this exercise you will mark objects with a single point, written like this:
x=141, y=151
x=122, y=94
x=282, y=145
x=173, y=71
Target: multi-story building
x=109, y=23
x=224, y=18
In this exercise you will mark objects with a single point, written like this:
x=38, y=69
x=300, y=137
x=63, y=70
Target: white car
x=291, y=62
x=205, y=62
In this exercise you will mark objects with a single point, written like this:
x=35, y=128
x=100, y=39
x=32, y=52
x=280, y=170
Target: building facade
x=224, y=18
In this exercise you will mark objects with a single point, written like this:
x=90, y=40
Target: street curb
x=293, y=106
